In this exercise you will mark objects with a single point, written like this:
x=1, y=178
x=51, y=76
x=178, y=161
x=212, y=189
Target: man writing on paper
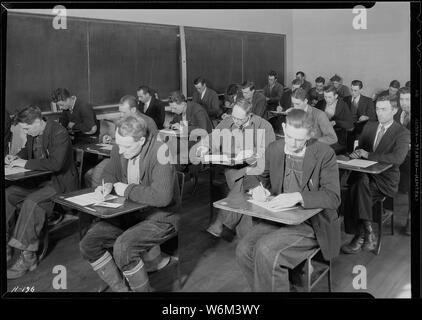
x=48, y=148
x=298, y=170
x=252, y=132
x=117, y=245
x=384, y=141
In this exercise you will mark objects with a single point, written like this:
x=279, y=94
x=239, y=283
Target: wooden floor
x=209, y=265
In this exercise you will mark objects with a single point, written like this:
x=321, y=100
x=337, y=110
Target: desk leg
x=212, y=174
x=81, y=169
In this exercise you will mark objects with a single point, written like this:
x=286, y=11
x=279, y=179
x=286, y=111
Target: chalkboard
x=224, y=57
x=40, y=58
x=125, y=56
x=214, y=55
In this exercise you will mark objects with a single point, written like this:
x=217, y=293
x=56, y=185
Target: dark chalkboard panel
x=214, y=55
x=40, y=58
x=262, y=53
x=124, y=56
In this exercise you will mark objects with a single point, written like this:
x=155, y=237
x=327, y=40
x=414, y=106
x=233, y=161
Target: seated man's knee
x=263, y=251
x=244, y=251
x=122, y=251
x=90, y=247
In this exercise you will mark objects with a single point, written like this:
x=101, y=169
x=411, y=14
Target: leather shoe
x=355, y=245
x=370, y=241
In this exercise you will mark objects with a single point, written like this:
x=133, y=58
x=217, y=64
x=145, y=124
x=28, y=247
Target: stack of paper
x=89, y=198
x=266, y=205
x=13, y=170
x=359, y=163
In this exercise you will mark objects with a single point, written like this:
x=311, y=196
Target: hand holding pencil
x=103, y=190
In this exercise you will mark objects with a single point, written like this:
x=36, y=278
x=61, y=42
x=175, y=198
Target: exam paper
x=357, y=163
x=216, y=158
x=13, y=170
x=89, y=198
x=266, y=205
x=108, y=204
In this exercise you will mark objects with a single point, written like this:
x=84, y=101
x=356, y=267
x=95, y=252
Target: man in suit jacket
x=304, y=84
x=136, y=173
x=207, y=98
x=387, y=142
x=339, y=114
x=48, y=148
x=273, y=91
x=150, y=106
x=257, y=99
x=298, y=170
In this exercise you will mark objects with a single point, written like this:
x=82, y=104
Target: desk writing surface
x=97, y=148
x=239, y=204
x=15, y=176
x=376, y=168
x=127, y=206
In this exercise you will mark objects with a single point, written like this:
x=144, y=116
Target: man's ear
x=395, y=110
x=142, y=140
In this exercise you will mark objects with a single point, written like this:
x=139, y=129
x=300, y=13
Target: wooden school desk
x=239, y=204
x=101, y=212
x=26, y=175
x=376, y=168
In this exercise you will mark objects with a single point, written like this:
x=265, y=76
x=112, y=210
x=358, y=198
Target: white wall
x=325, y=43
x=271, y=21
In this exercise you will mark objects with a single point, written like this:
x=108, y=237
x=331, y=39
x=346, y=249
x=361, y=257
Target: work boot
x=107, y=270
x=138, y=278
x=370, y=239
x=155, y=260
x=356, y=244
x=27, y=261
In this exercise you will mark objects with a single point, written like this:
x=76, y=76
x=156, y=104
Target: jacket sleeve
x=328, y=194
x=260, y=107
x=370, y=110
x=159, y=193
x=345, y=119
x=264, y=177
x=161, y=115
x=215, y=105
x=110, y=170
x=23, y=153
x=328, y=134
x=57, y=153
x=198, y=121
x=87, y=119
x=397, y=156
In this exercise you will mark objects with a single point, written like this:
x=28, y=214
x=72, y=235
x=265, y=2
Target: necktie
x=379, y=137
x=354, y=102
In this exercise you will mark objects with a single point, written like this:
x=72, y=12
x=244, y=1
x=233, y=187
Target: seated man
x=207, y=98
x=233, y=92
x=249, y=132
x=322, y=130
x=127, y=106
x=384, y=141
x=77, y=117
x=310, y=177
x=273, y=91
x=392, y=91
x=339, y=114
x=48, y=148
x=342, y=90
x=257, y=99
x=404, y=120
x=304, y=84
x=286, y=99
x=317, y=93
x=362, y=109
x=135, y=173
x=151, y=106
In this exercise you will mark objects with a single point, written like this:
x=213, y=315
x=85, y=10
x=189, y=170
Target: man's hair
x=272, y=73
x=320, y=80
x=395, y=84
x=233, y=89
x=145, y=89
x=336, y=78
x=300, y=94
x=404, y=90
x=301, y=73
x=199, y=80
x=330, y=88
x=244, y=104
x=299, y=119
x=60, y=94
x=133, y=126
x=28, y=115
x=177, y=97
x=393, y=102
x=296, y=82
x=407, y=84
x=357, y=83
x=248, y=84
x=130, y=100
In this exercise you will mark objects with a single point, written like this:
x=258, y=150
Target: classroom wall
x=325, y=43
x=270, y=21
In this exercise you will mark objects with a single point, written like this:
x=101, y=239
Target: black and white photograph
x=211, y=149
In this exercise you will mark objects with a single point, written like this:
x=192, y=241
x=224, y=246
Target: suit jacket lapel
x=280, y=172
x=45, y=139
x=308, y=165
x=387, y=137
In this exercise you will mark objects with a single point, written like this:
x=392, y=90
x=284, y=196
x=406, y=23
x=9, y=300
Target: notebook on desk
x=14, y=170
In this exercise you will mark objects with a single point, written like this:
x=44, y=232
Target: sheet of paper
x=265, y=205
x=358, y=163
x=13, y=170
x=216, y=158
x=108, y=204
x=105, y=146
x=89, y=198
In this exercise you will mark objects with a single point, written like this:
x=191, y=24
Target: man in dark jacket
x=257, y=99
x=207, y=98
x=273, y=91
x=136, y=173
x=150, y=106
x=298, y=170
x=48, y=148
x=387, y=142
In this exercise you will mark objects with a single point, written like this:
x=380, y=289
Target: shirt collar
x=203, y=93
x=300, y=154
x=386, y=126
